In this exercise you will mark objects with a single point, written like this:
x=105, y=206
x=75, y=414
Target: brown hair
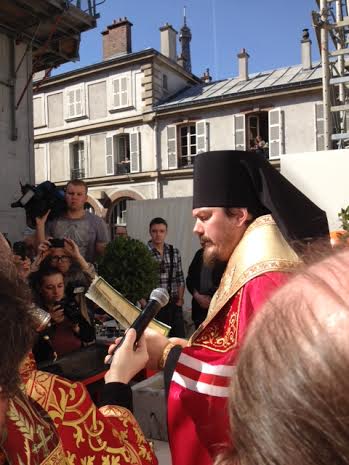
x=289, y=394
x=77, y=182
x=16, y=323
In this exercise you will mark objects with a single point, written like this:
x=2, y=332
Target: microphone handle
x=140, y=323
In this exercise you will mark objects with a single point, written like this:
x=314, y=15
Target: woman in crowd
x=69, y=329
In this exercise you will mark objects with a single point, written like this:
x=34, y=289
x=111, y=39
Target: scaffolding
x=331, y=23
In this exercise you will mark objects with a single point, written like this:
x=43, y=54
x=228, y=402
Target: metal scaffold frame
x=331, y=23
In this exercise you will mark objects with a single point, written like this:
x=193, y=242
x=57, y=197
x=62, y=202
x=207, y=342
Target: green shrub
x=129, y=267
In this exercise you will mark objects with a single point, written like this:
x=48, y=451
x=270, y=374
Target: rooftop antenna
x=185, y=15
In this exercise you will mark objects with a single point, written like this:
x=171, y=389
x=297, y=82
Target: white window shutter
x=239, y=132
x=135, y=145
x=276, y=143
x=71, y=104
x=172, y=147
x=109, y=155
x=202, y=142
x=319, y=126
x=116, y=93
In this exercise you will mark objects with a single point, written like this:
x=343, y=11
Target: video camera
x=37, y=200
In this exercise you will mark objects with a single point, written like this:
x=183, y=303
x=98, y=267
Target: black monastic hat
x=239, y=179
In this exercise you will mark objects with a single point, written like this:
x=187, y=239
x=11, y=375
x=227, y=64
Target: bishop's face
x=219, y=233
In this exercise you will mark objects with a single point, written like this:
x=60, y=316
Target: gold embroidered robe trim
x=262, y=249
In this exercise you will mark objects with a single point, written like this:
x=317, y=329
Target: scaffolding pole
x=325, y=61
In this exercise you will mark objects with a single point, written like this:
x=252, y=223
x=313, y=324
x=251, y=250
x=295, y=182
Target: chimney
x=168, y=39
x=206, y=78
x=306, y=50
x=243, y=57
x=117, y=39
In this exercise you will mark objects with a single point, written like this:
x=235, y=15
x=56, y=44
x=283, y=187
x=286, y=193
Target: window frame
x=111, y=92
x=83, y=112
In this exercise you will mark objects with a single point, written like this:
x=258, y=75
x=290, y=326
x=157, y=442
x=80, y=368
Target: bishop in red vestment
x=249, y=216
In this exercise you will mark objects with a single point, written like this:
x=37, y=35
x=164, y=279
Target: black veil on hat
x=230, y=178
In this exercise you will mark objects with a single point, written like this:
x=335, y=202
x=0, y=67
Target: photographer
x=87, y=230
x=69, y=330
x=64, y=256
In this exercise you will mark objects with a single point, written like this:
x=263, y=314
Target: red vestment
x=197, y=407
x=109, y=435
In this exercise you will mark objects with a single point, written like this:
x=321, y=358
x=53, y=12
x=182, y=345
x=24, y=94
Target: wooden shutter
x=124, y=91
x=116, y=93
x=276, y=143
x=71, y=104
x=109, y=155
x=239, y=132
x=319, y=126
x=172, y=147
x=202, y=143
x=135, y=145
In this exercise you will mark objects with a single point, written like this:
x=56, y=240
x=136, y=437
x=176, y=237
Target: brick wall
x=117, y=39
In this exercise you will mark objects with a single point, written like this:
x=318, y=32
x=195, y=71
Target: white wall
x=16, y=154
x=323, y=177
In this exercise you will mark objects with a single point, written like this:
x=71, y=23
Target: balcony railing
x=77, y=174
x=88, y=6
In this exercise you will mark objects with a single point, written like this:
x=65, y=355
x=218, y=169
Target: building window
x=252, y=132
x=187, y=144
x=122, y=153
x=77, y=160
x=118, y=215
x=165, y=82
x=122, y=150
x=75, y=103
x=185, y=141
x=120, y=90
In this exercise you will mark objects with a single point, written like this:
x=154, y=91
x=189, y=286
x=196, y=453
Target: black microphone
x=158, y=299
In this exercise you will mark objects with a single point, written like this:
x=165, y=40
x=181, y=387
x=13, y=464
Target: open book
x=117, y=306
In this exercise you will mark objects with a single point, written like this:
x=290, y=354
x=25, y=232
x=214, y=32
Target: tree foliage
x=129, y=267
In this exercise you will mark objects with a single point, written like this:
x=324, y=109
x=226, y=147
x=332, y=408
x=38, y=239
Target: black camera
x=37, y=200
x=71, y=310
x=19, y=248
x=57, y=243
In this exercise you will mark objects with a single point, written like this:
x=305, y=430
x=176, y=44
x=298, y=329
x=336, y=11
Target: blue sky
x=270, y=30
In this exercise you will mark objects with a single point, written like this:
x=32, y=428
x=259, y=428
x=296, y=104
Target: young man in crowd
x=86, y=229
x=170, y=276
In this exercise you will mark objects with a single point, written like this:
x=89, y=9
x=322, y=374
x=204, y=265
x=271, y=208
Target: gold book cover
x=117, y=306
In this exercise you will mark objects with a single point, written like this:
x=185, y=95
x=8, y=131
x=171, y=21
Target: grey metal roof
x=257, y=83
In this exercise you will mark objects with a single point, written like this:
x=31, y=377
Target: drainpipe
x=157, y=159
x=12, y=90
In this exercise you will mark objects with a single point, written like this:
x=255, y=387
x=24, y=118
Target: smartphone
x=19, y=248
x=55, y=242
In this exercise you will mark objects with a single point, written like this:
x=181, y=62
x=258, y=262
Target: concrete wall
x=17, y=159
x=323, y=177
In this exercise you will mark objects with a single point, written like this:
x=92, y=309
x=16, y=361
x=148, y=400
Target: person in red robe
x=249, y=216
x=48, y=420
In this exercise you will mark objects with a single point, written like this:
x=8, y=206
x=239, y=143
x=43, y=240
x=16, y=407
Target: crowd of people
x=261, y=381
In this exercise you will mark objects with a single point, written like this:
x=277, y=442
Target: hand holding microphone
x=129, y=360
x=158, y=299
